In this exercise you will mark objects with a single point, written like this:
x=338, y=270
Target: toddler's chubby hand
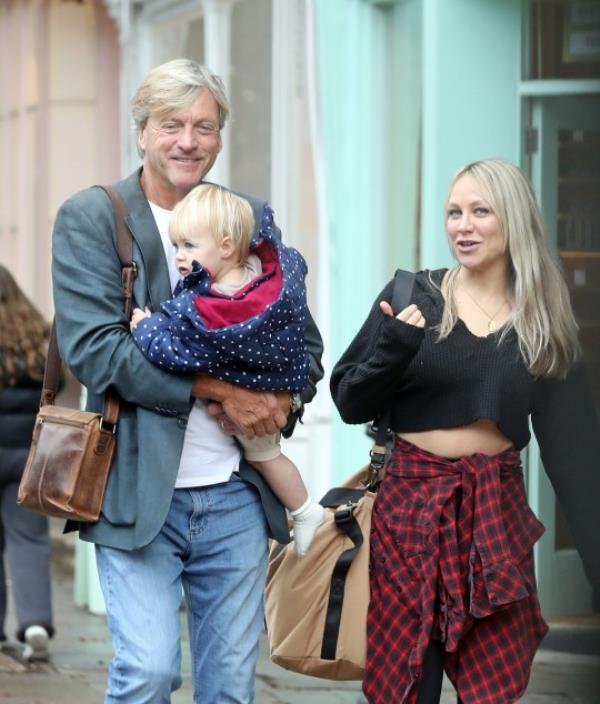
x=411, y=314
x=137, y=315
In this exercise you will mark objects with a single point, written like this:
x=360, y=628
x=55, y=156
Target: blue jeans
x=214, y=543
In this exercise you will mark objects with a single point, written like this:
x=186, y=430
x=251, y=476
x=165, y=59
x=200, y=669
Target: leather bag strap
x=124, y=246
x=51, y=382
x=51, y=370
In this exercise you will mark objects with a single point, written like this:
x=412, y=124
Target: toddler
x=238, y=313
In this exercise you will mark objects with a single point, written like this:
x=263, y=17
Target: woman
x=481, y=348
x=24, y=336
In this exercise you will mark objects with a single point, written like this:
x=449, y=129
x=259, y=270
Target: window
x=564, y=39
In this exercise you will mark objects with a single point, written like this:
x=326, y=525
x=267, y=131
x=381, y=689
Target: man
x=176, y=511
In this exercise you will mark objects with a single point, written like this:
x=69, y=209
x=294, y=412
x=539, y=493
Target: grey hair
x=542, y=314
x=176, y=85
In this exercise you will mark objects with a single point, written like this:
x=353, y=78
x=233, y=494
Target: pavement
x=81, y=651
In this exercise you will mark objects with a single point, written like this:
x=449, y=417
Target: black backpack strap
x=404, y=282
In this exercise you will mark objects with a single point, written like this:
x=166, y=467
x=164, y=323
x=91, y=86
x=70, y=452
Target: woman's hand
x=411, y=314
x=137, y=315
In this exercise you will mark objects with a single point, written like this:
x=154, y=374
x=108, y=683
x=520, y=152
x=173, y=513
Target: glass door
x=565, y=169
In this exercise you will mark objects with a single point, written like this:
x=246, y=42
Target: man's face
x=180, y=148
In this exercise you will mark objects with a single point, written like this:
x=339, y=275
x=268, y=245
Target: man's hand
x=253, y=412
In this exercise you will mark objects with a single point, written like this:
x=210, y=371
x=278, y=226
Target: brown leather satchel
x=72, y=450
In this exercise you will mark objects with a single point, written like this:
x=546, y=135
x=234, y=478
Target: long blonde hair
x=542, y=314
x=24, y=334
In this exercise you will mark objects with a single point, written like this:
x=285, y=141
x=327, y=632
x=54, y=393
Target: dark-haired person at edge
x=482, y=348
x=182, y=507
x=24, y=336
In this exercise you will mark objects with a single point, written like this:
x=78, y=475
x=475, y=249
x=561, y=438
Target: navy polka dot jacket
x=254, y=338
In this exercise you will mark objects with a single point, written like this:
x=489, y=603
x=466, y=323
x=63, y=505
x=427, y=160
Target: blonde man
x=162, y=528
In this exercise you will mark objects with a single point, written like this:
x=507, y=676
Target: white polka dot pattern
x=265, y=352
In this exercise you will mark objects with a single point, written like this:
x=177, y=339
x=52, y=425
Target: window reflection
x=564, y=39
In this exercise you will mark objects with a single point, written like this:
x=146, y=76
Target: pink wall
x=108, y=155
x=46, y=126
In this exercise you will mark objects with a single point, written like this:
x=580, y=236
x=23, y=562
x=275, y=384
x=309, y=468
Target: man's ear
x=141, y=141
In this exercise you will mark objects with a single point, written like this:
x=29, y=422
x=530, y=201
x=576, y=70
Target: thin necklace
x=491, y=326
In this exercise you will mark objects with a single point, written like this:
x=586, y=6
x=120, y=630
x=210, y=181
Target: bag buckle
x=344, y=513
x=107, y=427
x=375, y=467
x=377, y=460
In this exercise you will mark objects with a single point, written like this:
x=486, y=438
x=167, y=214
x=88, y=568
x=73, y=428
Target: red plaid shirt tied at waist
x=451, y=559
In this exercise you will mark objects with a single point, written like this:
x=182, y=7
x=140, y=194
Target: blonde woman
x=482, y=348
x=24, y=338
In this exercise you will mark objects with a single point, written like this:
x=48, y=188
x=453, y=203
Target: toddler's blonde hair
x=223, y=212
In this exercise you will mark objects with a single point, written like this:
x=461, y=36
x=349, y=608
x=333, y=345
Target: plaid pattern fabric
x=451, y=559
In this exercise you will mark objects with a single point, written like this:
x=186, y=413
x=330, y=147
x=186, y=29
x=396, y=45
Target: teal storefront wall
x=409, y=91
x=354, y=109
x=471, y=69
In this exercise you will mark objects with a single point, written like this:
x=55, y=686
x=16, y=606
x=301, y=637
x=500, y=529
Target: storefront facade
x=350, y=116
x=424, y=88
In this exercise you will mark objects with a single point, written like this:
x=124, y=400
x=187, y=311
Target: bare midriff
x=481, y=436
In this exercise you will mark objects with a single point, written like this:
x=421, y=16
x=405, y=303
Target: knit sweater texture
x=433, y=385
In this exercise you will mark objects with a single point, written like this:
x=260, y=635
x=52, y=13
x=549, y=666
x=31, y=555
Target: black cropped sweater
x=432, y=385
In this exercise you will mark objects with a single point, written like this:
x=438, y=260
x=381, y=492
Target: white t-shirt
x=209, y=456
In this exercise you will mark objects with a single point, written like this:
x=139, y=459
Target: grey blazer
x=95, y=343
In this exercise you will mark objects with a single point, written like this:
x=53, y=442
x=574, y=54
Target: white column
x=121, y=12
x=283, y=164
x=217, y=57
x=312, y=79
x=293, y=115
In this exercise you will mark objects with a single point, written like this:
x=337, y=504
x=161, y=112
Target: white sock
x=306, y=520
